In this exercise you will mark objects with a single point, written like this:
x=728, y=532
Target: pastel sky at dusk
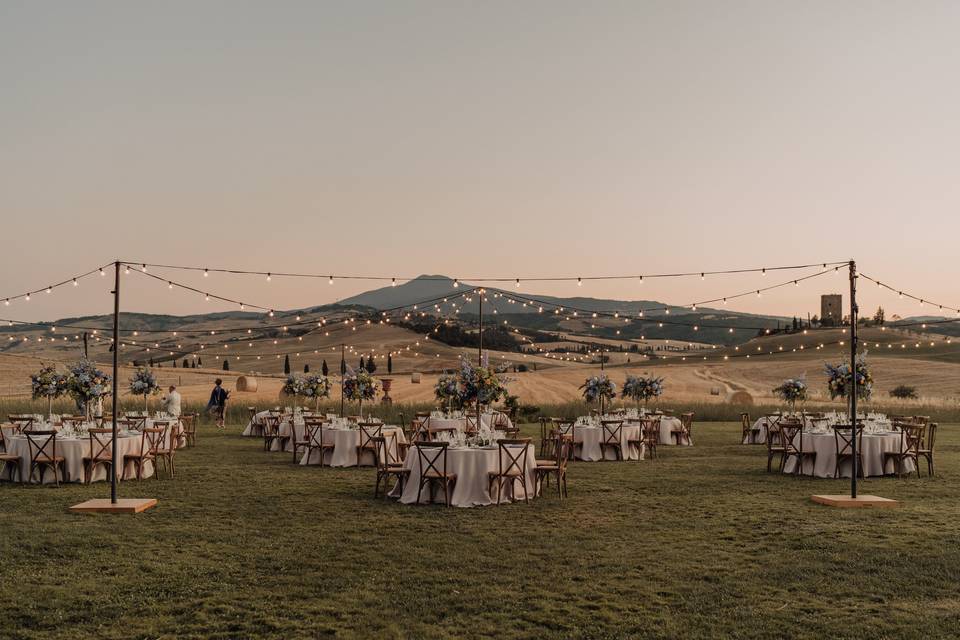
x=513, y=139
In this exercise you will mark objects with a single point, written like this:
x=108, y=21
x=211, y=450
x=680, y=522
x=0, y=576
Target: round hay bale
x=415, y=377
x=247, y=383
x=740, y=397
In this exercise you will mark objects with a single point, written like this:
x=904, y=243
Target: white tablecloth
x=587, y=443
x=874, y=446
x=472, y=468
x=73, y=450
x=345, y=443
x=668, y=424
x=460, y=424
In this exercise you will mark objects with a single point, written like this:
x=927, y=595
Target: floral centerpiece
x=599, y=388
x=640, y=388
x=840, y=379
x=360, y=386
x=316, y=387
x=48, y=383
x=447, y=390
x=144, y=383
x=791, y=391
x=479, y=384
x=87, y=384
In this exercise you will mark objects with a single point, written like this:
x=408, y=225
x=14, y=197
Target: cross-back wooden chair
x=548, y=437
x=388, y=465
x=271, y=430
x=145, y=453
x=469, y=424
x=911, y=437
x=72, y=421
x=566, y=427
x=256, y=425
x=368, y=431
x=432, y=459
x=99, y=454
x=650, y=434
x=309, y=422
x=682, y=434
x=128, y=424
x=501, y=422
x=925, y=450
x=189, y=423
x=556, y=467
x=843, y=436
x=21, y=422
x=43, y=455
x=611, y=437
x=746, y=429
x=9, y=463
x=774, y=442
x=314, y=431
x=139, y=421
x=791, y=436
x=511, y=467
x=420, y=427
x=165, y=449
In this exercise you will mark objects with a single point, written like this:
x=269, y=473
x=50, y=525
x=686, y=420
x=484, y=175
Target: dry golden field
x=927, y=363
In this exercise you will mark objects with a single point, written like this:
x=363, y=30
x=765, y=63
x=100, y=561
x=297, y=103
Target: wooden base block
x=846, y=502
x=123, y=505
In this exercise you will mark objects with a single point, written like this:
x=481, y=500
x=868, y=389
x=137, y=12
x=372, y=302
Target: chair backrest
x=22, y=422
x=686, y=421
x=368, y=431
x=911, y=437
x=128, y=424
x=564, y=426
x=843, y=435
x=189, y=422
x=501, y=421
x=512, y=456
x=921, y=420
x=70, y=421
x=469, y=424
x=745, y=421
x=429, y=455
x=41, y=444
x=563, y=450
x=271, y=424
x=314, y=429
x=650, y=430
x=612, y=431
x=931, y=436
x=153, y=440
x=386, y=448
x=101, y=443
x=791, y=435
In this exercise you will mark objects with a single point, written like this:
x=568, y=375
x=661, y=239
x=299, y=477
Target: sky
x=496, y=139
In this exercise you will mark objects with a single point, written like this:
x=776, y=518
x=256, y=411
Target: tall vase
x=49, y=407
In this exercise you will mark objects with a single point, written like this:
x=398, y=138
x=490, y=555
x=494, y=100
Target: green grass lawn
x=701, y=543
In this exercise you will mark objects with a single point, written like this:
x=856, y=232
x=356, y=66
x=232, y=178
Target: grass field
x=699, y=544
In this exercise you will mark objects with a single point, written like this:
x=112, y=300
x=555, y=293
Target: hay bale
x=739, y=397
x=714, y=391
x=247, y=383
x=415, y=378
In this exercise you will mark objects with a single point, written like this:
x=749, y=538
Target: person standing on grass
x=218, y=402
x=171, y=402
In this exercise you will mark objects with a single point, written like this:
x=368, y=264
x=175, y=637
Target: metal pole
x=343, y=372
x=86, y=355
x=480, y=351
x=116, y=373
x=853, y=367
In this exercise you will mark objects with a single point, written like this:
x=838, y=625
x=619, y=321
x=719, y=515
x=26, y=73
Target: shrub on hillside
x=904, y=392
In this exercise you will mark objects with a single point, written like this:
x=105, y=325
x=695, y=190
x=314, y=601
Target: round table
x=73, y=449
x=586, y=439
x=345, y=443
x=472, y=467
x=874, y=446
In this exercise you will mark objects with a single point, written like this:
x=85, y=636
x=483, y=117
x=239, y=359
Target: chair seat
x=48, y=459
x=325, y=445
x=97, y=459
x=396, y=468
x=7, y=457
x=513, y=473
x=547, y=466
x=137, y=456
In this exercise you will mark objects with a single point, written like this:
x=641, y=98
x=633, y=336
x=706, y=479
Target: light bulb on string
x=143, y=268
x=579, y=282
x=206, y=273
x=49, y=289
x=75, y=283
x=126, y=270
x=518, y=283
x=268, y=277
x=102, y=273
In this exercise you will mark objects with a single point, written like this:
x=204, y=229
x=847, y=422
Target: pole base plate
x=123, y=505
x=846, y=502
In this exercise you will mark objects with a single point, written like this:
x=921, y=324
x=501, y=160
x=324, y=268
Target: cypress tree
x=286, y=364
x=325, y=369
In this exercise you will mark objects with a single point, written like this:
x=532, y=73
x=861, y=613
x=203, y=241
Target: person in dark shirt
x=218, y=402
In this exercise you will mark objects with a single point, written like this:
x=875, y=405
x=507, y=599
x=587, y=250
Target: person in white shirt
x=171, y=402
